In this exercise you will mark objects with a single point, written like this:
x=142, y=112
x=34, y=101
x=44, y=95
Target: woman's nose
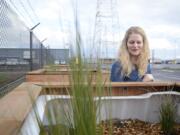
x=135, y=44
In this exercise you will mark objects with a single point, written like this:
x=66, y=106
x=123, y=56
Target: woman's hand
x=148, y=78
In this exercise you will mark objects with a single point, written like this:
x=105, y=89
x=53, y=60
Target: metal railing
x=10, y=86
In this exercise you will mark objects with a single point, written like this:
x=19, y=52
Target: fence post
x=31, y=41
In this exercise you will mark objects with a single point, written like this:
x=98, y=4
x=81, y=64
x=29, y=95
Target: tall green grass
x=168, y=116
x=80, y=114
x=83, y=113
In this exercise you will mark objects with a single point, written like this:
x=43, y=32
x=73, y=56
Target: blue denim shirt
x=133, y=77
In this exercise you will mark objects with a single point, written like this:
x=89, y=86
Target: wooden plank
x=15, y=107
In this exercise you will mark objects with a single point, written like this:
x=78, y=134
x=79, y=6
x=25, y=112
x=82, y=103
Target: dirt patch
x=135, y=127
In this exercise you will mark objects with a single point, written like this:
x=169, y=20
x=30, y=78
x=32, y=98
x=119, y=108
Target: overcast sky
x=160, y=20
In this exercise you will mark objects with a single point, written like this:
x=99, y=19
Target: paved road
x=166, y=75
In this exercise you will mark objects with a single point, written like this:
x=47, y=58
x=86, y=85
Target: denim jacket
x=116, y=75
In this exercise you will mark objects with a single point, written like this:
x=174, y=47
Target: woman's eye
x=131, y=42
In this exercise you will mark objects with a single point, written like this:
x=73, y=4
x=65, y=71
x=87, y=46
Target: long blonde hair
x=124, y=56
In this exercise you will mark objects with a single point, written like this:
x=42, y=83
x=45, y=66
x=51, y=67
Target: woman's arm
x=148, y=77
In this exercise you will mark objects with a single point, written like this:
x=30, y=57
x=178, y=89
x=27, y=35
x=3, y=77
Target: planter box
x=62, y=75
x=17, y=109
x=116, y=88
x=144, y=107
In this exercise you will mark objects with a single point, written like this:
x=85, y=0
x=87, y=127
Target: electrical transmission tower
x=106, y=33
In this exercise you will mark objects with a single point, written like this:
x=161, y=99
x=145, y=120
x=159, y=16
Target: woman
x=133, y=64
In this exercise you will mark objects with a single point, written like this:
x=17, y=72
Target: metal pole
x=42, y=56
x=46, y=56
x=35, y=26
x=31, y=46
x=30, y=60
x=43, y=40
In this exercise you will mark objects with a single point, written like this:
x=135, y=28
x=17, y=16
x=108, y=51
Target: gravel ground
x=135, y=127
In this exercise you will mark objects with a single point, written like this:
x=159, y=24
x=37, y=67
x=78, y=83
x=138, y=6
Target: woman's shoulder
x=117, y=63
x=116, y=72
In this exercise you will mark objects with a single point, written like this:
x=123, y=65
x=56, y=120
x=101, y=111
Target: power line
x=24, y=8
x=32, y=9
x=16, y=9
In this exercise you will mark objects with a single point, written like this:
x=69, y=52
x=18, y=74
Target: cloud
x=149, y=12
x=158, y=18
x=47, y=14
x=163, y=30
x=55, y=38
x=160, y=43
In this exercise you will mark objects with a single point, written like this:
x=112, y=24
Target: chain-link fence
x=15, y=51
x=17, y=56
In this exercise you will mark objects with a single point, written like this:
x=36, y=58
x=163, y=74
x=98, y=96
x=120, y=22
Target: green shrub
x=167, y=116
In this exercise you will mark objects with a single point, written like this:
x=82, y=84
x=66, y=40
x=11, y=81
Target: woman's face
x=135, y=44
